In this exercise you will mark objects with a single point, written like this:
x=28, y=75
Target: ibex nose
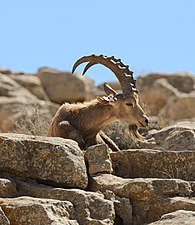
x=146, y=121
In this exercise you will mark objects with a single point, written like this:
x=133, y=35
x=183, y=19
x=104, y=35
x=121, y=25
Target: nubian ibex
x=83, y=122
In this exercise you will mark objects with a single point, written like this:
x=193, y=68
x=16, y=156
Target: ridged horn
x=122, y=71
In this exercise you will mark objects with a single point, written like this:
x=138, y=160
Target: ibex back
x=83, y=122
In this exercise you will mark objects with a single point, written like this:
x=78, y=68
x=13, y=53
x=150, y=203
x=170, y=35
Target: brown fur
x=83, y=122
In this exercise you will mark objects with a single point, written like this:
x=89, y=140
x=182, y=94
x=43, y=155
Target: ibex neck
x=98, y=116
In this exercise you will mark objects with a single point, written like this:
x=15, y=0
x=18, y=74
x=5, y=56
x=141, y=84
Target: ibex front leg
x=67, y=130
x=103, y=138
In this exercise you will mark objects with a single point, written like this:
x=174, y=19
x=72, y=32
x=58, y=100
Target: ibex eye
x=129, y=104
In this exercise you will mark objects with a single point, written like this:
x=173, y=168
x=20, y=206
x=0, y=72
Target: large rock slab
x=177, y=137
x=180, y=107
x=32, y=83
x=24, y=116
x=177, y=218
x=51, y=160
x=140, y=188
x=27, y=210
x=10, y=88
x=154, y=163
x=90, y=208
x=158, y=88
x=150, y=197
x=64, y=86
x=17, y=103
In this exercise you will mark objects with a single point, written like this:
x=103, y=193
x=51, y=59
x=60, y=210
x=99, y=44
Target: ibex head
x=126, y=105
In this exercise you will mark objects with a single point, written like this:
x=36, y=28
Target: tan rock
x=180, y=140
x=10, y=88
x=182, y=81
x=177, y=218
x=27, y=210
x=17, y=103
x=98, y=159
x=139, y=188
x=51, y=160
x=7, y=188
x=157, y=89
x=154, y=163
x=182, y=107
x=151, y=198
x=178, y=137
x=90, y=208
x=65, y=87
x=186, y=124
x=32, y=83
x=3, y=219
x=124, y=211
x=24, y=116
x=156, y=95
x=5, y=71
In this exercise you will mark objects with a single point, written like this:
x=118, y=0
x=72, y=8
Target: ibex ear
x=108, y=90
x=106, y=100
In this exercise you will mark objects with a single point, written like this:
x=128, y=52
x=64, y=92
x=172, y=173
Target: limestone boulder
x=5, y=71
x=24, y=116
x=154, y=163
x=141, y=189
x=98, y=159
x=155, y=96
x=27, y=210
x=124, y=211
x=7, y=188
x=151, y=198
x=32, y=83
x=90, y=208
x=18, y=105
x=177, y=218
x=178, y=137
x=10, y=88
x=180, y=107
x=64, y=86
x=156, y=90
x=55, y=161
x=182, y=81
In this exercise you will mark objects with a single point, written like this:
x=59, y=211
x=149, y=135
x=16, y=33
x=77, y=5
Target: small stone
x=98, y=159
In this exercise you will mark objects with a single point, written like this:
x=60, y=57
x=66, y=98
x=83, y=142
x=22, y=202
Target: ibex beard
x=83, y=122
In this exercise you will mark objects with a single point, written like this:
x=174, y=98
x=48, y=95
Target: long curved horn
x=122, y=72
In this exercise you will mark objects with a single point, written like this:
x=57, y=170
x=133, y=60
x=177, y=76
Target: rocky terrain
x=48, y=181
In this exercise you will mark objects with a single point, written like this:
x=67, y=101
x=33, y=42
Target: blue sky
x=149, y=35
